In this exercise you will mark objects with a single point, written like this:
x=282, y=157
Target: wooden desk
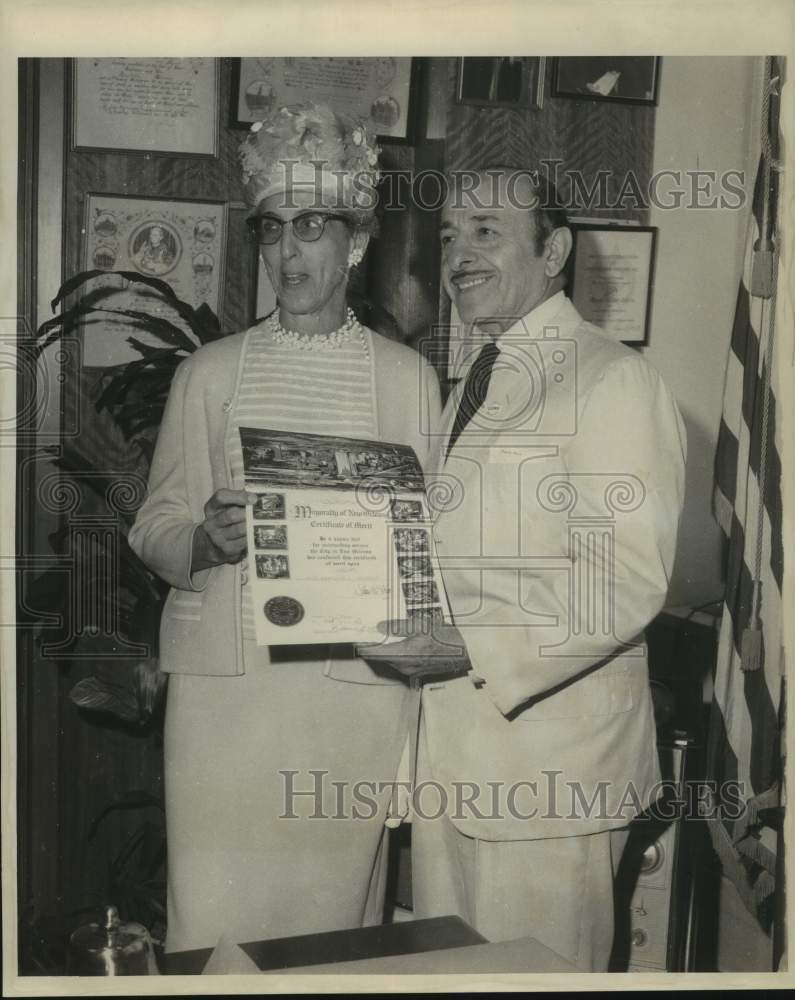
x=386, y=940
x=524, y=955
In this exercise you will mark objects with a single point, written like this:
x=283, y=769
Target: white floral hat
x=309, y=146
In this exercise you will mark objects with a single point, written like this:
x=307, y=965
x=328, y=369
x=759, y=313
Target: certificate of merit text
x=339, y=538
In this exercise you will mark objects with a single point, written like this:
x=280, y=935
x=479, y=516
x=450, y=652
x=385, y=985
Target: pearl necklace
x=317, y=341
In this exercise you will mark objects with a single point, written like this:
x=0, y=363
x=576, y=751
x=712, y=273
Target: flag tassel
x=751, y=648
x=751, y=641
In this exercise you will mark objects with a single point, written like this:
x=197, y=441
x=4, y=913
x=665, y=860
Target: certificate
x=365, y=87
x=339, y=538
x=146, y=105
x=612, y=278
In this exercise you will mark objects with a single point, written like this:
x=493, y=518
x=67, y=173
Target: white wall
x=707, y=119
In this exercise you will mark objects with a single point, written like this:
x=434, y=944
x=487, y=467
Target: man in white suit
x=564, y=455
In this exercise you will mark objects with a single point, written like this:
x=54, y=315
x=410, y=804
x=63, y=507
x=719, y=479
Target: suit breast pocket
x=591, y=696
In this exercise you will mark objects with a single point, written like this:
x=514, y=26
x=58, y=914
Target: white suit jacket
x=556, y=544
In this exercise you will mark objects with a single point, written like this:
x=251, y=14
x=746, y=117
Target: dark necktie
x=475, y=389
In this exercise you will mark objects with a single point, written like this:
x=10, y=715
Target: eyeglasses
x=307, y=226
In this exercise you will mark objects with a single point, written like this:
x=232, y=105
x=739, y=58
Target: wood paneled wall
x=587, y=136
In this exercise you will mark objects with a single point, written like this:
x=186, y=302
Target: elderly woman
x=249, y=728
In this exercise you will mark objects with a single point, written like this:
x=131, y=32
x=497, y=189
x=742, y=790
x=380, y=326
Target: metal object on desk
x=111, y=948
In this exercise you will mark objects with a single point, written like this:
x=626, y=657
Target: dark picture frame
x=407, y=124
x=501, y=81
x=612, y=278
x=620, y=79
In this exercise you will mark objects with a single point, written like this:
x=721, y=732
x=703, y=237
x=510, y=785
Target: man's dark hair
x=549, y=213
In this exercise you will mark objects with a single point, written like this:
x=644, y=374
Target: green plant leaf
x=136, y=798
x=163, y=328
x=207, y=326
x=149, y=379
x=96, y=695
x=132, y=276
x=147, y=449
x=139, y=423
x=150, y=682
x=152, y=355
x=148, y=384
x=121, y=864
x=70, y=321
x=202, y=322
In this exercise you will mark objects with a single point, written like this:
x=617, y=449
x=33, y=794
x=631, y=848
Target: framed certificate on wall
x=380, y=89
x=146, y=105
x=177, y=241
x=612, y=278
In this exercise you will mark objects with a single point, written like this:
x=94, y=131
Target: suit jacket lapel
x=509, y=383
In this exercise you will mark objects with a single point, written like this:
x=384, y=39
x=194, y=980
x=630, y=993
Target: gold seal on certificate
x=340, y=537
x=283, y=611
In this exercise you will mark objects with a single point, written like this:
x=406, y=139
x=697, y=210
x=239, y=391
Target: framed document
x=339, y=538
x=381, y=89
x=624, y=79
x=501, y=81
x=181, y=242
x=146, y=105
x=612, y=278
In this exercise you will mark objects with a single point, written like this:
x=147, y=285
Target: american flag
x=745, y=743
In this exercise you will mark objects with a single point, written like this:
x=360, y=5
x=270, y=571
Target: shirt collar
x=532, y=325
x=529, y=326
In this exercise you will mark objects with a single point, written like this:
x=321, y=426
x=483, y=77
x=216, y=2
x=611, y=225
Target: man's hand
x=427, y=649
x=221, y=537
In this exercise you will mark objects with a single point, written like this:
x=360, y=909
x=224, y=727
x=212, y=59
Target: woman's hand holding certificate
x=221, y=537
